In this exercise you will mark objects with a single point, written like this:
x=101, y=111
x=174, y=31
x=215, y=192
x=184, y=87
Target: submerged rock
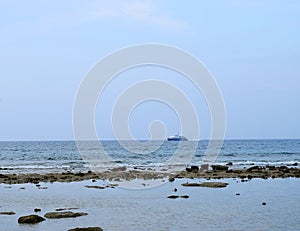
x=30, y=219
x=67, y=214
x=62, y=209
x=87, y=229
x=95, y=186
x=172, y=197
x=175, y=196
x=206, y=184
x=185, y=196
x=7, y=213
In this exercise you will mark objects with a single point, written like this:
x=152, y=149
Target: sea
x=257, y=204
x=58, y=156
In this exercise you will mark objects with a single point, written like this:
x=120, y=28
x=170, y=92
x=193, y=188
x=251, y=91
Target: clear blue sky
x=251, y=48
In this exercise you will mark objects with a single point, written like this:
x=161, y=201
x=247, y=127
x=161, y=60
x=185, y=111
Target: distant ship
x=177, y=138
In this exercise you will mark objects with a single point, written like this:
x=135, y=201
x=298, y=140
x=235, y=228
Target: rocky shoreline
x=214, y=172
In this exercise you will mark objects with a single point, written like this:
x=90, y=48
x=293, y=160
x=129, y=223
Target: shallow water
x=125, y=209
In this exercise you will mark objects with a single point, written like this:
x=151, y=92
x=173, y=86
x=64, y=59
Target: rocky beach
x=64, y=200
x=124, y=174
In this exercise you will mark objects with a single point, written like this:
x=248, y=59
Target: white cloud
x=144, y=12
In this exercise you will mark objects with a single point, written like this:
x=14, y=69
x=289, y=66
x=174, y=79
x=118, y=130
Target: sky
x=251, y=48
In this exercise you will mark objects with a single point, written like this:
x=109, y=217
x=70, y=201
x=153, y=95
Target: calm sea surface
x=49, y=156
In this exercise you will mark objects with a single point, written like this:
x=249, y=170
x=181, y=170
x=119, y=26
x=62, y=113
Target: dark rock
x=254, y=168
x=283, y=168
x=30, y=219
x=7, y=213
x=67, y=214
x=173, y=197
x=206, y=184
x=185, y=196
x=270, y=167
x=188, y=169
x=219, y=168
x=295, y=164
x=194, y=168
x=36, y=210
x=3, y=176
x=229, y=164
x=95, y=186
x=171, y=179
x=62, y=209
x=81, y=174
x=175, y=189
x=87, y=229
x=264, y=203
x=238, y=194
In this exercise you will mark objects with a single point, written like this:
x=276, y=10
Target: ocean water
x=123, y=209
x=57, y=156
x=149, y=209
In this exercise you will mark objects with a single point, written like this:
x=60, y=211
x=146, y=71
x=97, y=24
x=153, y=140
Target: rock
x=36, y=210
x=264, y=203
x=295, y=164
x=175, y=189
x=194, y=168
x=62, y=209
x=254, y=168
x=95, y=186
x=119, y=169
x=30, y=219
x=185, y=196
x=7, y=213
x=188, y=169
x=229, y=164
x=87, y=229
x=171, y=179
x=238, y=194
x=111, y=185
x=206, y=184
x=3, y=176
x=67, y=214
x=219, y=167
x=173, y=197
